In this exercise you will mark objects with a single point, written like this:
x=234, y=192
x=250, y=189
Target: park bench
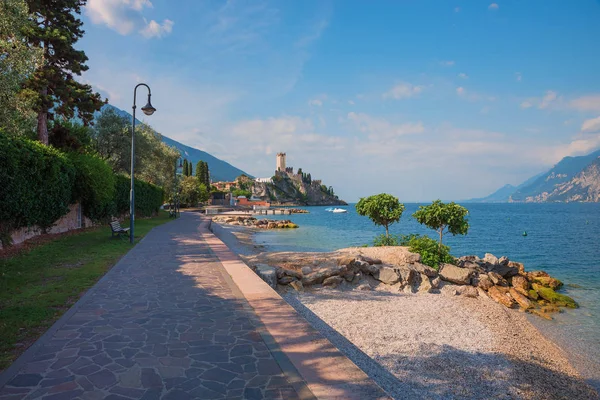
x=117, y=230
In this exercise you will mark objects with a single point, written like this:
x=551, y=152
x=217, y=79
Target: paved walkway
x=165, y=322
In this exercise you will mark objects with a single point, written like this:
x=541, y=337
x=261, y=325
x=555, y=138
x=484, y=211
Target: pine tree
x=184, y=171
x=55, y=30
x=206, y=175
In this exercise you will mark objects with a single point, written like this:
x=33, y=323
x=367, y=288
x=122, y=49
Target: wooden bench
x=117, y=230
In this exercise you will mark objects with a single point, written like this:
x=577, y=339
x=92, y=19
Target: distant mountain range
x=219, y=170
x=572, y=179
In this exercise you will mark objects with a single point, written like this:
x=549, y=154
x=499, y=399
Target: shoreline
x=477, y=337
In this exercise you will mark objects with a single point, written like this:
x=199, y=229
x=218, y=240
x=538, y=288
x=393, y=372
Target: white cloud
x=586, y=103
x=125, y=16
x=462, y=75
x=402, y=91
x=591, y=125
x=518, y=76
x=380, y=128
x=460, y=91
x=351, y=102
x=494, y=6
x=551, y=99
x=154, y=29
x=448, y=63
x=315, y=102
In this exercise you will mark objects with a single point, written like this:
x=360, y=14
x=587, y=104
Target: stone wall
x=74, y=219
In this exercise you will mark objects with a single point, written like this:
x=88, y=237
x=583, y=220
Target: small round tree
x=383, y=209
x=444, y=218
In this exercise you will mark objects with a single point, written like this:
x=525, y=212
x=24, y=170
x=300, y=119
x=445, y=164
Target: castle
x=283, y=169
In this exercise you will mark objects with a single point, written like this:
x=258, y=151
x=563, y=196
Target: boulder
x=267, y=274
x=490, y=259
x=333, y=281
x=387, y=275
x=286, y=280
x=547, y=281
x=435, y=282
x=313, y=278
x=425, y=285
x=520, y=284
x=483, y=281
x=555, y=298
x=535, y=274
x=449, y=289
x=306, y=270
x=346, y=260
x=519, y=266
x=297, y=285
x=520, y=298
x=532, y=294
x=467, y=291
x=424, y=269
x=454, y=274
x=368, y=259
x=408, y=276
x=473, y=266
x=348, y=276
x=497, y=279
x=503, y=261
x=540, y=313
x=499, y=297
x=364, y=267
x=462, y=259
x=364, y=286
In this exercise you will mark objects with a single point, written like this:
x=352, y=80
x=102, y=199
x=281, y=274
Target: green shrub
x=35, y=182
x=148, y=197
x=94, y=186
x=432, y=253
x=383, y=240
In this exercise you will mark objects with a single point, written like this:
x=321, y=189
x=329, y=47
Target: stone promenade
x=167, y=322
x=164, y=323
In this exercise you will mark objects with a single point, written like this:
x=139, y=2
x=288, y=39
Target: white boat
x=339, y=210
x=329, y=209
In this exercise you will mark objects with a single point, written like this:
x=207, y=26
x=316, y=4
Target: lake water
x=563, y=239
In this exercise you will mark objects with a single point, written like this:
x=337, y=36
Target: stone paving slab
x=164, y=323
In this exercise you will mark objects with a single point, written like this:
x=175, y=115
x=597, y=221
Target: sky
x=420, y=99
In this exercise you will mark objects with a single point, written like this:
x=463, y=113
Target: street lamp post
x=148, y=110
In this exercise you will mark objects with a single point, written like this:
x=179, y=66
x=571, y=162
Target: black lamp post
x=148, y=110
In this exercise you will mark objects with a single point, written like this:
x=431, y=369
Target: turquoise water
x=563, y=239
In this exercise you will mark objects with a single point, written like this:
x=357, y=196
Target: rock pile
x=262, y=223
x=500, y=279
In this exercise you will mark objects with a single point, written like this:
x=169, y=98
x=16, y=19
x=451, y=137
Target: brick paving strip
x=181, y=317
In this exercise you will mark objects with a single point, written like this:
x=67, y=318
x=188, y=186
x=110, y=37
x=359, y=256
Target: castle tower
x=280, y=162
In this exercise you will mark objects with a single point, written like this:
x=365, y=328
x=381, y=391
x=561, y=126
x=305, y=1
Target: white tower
x=280, y=162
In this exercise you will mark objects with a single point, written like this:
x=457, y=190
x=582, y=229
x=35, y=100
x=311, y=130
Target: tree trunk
x=42, y=121
x=387, y=234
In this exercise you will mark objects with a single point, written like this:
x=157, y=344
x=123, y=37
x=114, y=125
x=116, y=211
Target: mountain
x=571, y=179
x=499, y=196
x=564, y=171
x=219, y=170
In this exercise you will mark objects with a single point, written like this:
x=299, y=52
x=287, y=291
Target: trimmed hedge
x=35, y=185
x=94, y=186
x=38, y=183
x=148, y=197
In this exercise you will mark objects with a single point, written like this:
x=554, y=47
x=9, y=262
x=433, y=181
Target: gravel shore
x=433, y=346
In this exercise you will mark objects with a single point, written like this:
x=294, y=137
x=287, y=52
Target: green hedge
x=94, y=186
x=35, y=185
x=148, y=197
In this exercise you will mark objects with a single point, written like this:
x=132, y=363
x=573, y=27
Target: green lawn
x=39, y=285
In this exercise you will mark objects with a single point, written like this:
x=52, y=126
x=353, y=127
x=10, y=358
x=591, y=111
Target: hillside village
x=285, y=187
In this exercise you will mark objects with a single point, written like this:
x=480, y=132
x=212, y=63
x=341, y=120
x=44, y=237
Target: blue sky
x=422, y=99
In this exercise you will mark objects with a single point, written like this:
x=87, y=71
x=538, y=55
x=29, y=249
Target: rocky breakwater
x=253, y=222
x=397, y=269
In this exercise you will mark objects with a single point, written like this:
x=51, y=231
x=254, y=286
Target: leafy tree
x=443, y=218
x=206, y=175
x=241, y=192
x=201, y=172
x=18, y=61
x=383, y=209
x=185, y=167
x=192, y=192
x=55, y=29
x=70, y=136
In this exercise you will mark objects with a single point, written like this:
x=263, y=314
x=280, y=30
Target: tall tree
x=184, y=170
x=206, y=175
x=18, y=61
x=383, y=209
x=200, y=172
x=55, y=29
x=444, y=218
